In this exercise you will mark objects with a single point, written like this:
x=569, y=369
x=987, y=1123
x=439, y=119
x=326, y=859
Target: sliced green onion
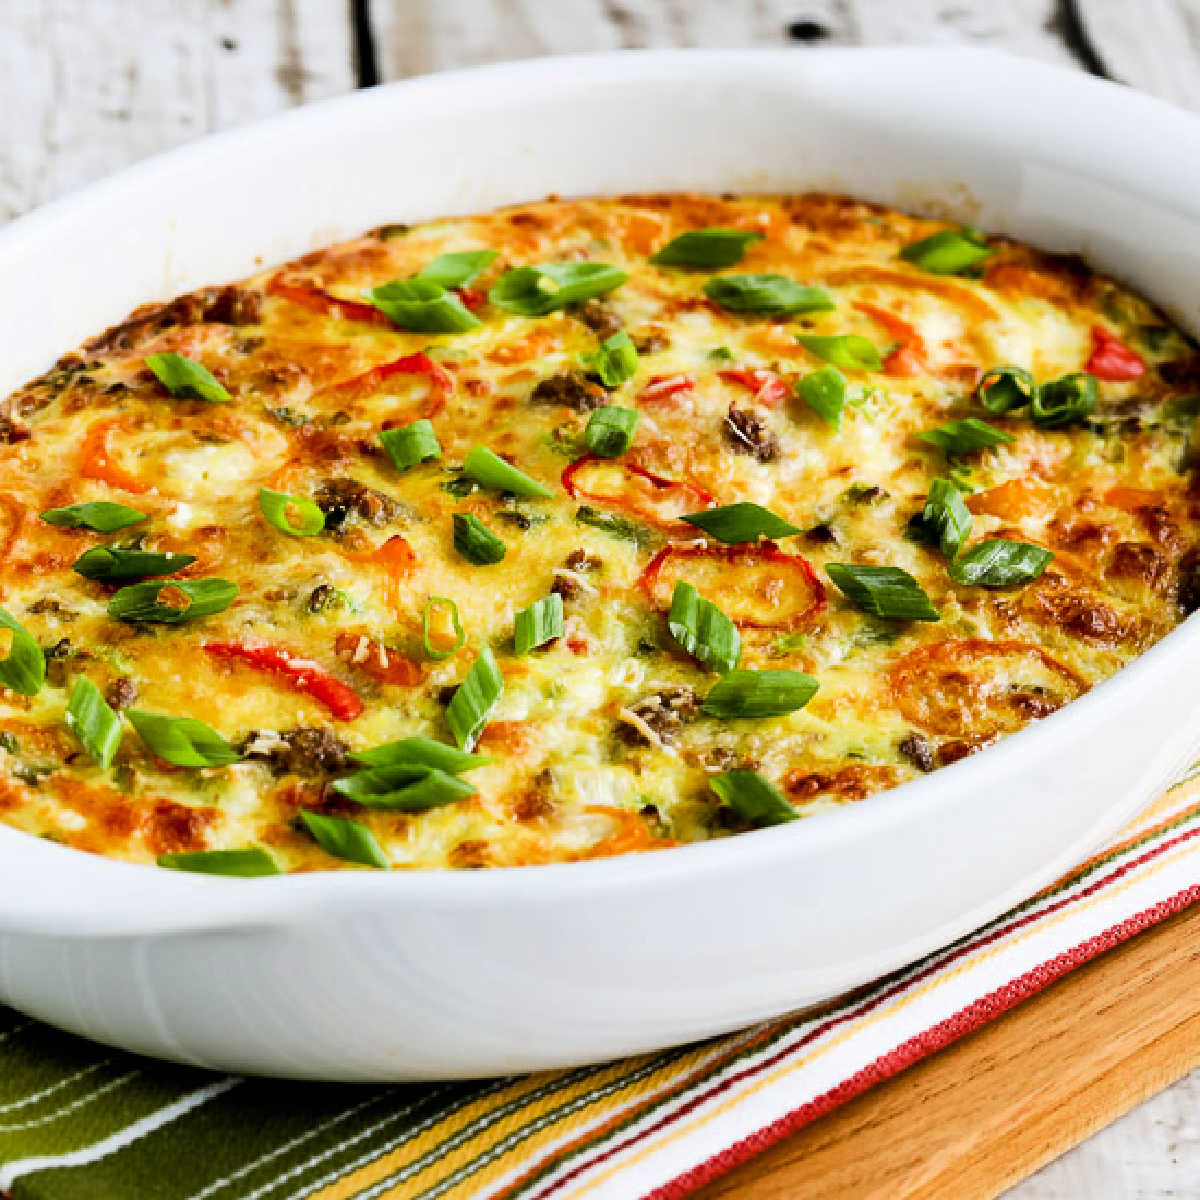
x=278, y=508
x=423, y=306
x=244, y=864
x=771, y=294
x=755, y=799
x=142, y=603
x=411, y=444
x=1064, y=401
x=850, y=351
x=100, y=516
x=614, y=525
x=111, y=562
x=883, y=591
x=609, y=431
x=957, y=438
x=458, y=268
x=759, y=694
x=711, y=248
x=91, y=720
x=614, y=362
x=720, y=354
x=472, y=704
x=945, y=520
x=1005, y=389
x=702, y=629
x=742, y=522
x=343, y=838
x=421, y=752
x=1000, y=563
x=476, y=542
x=182, y=741
x=538, y=624
x=460, y=634
x=824, y=391
x=489, y=470
x=535, y=291
x=23, y=668
x=187, y=379
x=948, y=252
x=405, y=788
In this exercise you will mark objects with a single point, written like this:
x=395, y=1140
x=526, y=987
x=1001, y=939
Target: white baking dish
x=374, y=976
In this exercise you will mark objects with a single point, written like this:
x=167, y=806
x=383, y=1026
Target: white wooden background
x=87, y=86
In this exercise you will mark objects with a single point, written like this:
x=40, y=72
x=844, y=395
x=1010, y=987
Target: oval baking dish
x=424, y=974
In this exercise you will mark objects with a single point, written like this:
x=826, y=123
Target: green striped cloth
x=81, y=1122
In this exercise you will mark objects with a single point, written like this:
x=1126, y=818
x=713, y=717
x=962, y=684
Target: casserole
x=424, y=975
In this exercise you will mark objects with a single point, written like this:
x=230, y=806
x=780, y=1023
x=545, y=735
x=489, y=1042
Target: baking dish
x=413, y=975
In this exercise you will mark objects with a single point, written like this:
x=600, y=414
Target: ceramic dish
x=423, y=974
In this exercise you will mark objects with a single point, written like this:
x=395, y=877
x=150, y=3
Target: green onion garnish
x=957, y=438
x=770, y=294
x=614, y=362
x=615, y=525
x=404, y=788
x=112, y=562
x=187, y=379
x=702, y=629
x=422, y=306
x=710, y=248
x=759, y=694
x=538, y=624
x=883, y=591
x=343, y=838
x=742, y=522
x=609, y=431
x=458, y=268
x=182, y=741
x=1064, y=401
x=489, y=470
x=23, y=667
x=101, y=516
x=91, y=720
x=143, y=602
x=948, y=252
x=535, y=291
x=824, y=391
x=755, y=799
x=411, y=444
x=460, y=634
x=421, y=752
x=849, y=351
x=1000, y=563
x=1005, y=389
x=476, y=542
x=476, y=697
x=945, y=520
x=279, y=508
x=244, y=864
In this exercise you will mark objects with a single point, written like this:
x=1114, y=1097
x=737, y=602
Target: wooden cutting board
x=986, y=1112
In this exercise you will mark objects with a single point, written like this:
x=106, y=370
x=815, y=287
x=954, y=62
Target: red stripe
x=967, y=1020
x=931, y=968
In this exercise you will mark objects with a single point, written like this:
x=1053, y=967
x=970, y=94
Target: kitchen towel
x=81, y=1122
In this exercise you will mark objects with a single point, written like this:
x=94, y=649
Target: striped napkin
x=78, y=1122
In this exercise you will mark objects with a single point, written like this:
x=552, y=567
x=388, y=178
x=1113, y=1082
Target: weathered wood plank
x=86, y=88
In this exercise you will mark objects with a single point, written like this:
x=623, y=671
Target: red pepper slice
x=1111, y=359
x=470, y=298
x=908, y=358
x=441, y=382
x=318, y=301
x=624, y=484
x=757, y=587
x=659, y=387
x=302, y=674
x=768, y=386
x=374, y=659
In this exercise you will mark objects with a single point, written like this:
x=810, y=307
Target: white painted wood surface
x=87, y=86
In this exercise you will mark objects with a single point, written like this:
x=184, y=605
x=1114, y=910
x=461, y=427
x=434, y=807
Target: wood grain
x=984, y=1113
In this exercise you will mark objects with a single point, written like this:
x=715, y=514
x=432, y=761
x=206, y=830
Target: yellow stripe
x=904, y=1001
